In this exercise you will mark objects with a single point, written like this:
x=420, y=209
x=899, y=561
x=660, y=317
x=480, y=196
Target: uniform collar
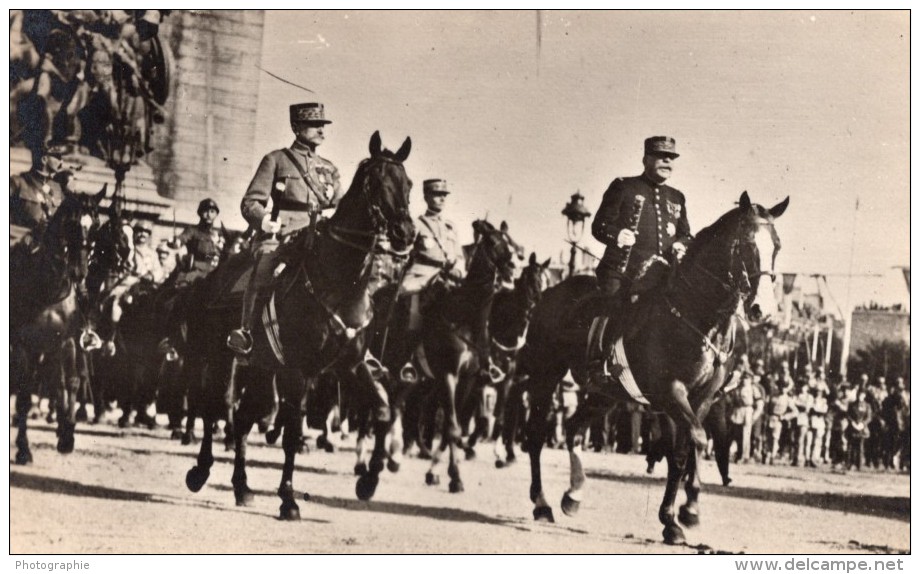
x=432, y=214
x=302, y=149
x=651, y=183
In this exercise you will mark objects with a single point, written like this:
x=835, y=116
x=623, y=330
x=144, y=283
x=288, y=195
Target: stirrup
x=240, y=341
x=90, y=340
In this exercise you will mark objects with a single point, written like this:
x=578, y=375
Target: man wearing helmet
x=203, y=243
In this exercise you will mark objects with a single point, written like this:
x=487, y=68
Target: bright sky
x=814, y=105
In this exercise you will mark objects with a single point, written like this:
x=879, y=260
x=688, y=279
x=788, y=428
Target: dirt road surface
x=123, y=491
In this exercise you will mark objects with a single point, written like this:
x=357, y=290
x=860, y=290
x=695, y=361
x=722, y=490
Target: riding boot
x=240, y=340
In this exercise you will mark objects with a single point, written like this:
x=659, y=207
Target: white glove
x=679, y=250
x=626, y=238
x=269, y=226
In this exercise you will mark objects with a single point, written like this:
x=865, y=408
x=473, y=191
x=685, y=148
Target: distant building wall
x=878, y=325
x=205, y=149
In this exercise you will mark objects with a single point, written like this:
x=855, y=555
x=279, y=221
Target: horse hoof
x=244, y=496
x=196, y=477
x=543, y=514
x=289, y=511
x=306, y=497
x=455, y=486
x=424, y=455
x=81, y=416
x=65, y=443
x=499, y=463
x=432, y=479
x=688, y=518
x=360, y=469
x=123, y=422
x=673, y=535
x=329, y=447
x=470, y=453
x=176, y=434
x=570, y=506
x=366, y=486
x=392, y=465
x=189, y=438
x=23, y=457
x=271, y=437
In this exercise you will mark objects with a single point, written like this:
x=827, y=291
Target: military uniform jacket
x=31, y=195
x=437, y=241
x=203, y=244
x=663, y=221
x=298, y=197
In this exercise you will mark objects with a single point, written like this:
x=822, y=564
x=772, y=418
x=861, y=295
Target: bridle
x=348, y=236
x=740, y=282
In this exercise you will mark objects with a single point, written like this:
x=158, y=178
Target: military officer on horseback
x=35, y=195
x=301, y=186
x=202, y=243
x=658, y=228
x=436, y=249
x=640, y=220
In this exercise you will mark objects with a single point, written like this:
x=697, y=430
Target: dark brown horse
x=452, y=353
x=678, y=343
x=45, y=315
x=314, y=319
x=508, y=326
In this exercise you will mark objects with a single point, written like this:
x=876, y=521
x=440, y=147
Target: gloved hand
x=269, y=226
x=679, y=250
x=626, y=238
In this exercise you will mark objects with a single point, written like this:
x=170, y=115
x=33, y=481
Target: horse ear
x=547, y=262
x=745, y=202
x=404, y=150
x=101, y=195
x=504, y=227
x=779, y=208
x=375, y=144
x=533, y=258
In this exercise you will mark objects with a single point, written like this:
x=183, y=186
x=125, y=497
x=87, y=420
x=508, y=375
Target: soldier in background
x=202, y=244
x=301, y=186
x=35, y=195
x=436, y=249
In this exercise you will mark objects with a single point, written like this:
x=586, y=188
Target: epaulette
x=448, y=224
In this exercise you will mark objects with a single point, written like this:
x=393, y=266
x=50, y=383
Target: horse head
x=494, y=257
x=377, y=202
x=533, y=280
x=756, y=248
x=113, y=242
x=70, y=231
x=732, y=259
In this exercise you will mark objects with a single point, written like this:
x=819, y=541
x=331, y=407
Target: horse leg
x=23, y=405
x=241, y=490
x=453, y=433
x=536, y=437
x=577, y=419
x=689, y=514
x=290, y=442
x=198, y=475
x=395, y=449
x=361, y=464
x=677, y=459
x=367, y=484
x=68, y=381
x=432, y=478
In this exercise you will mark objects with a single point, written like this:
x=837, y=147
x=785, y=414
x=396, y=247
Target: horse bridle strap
x=721, y=356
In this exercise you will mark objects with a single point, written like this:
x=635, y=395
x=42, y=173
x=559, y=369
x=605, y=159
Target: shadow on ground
x=893, y=507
